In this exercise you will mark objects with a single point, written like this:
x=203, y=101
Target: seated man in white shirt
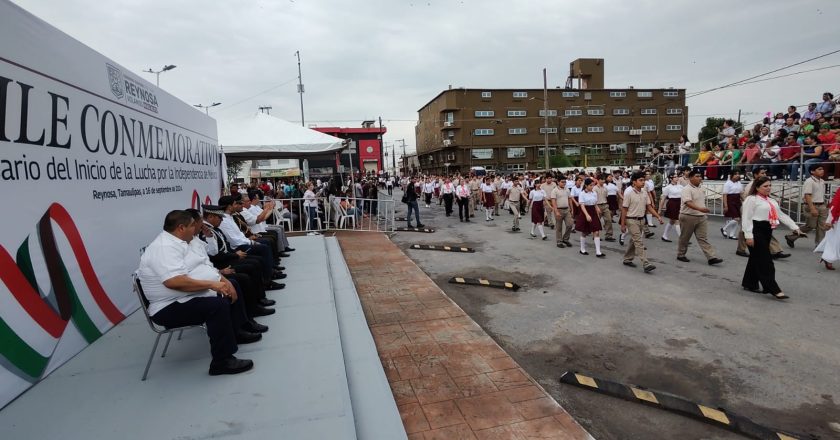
x=180, y=296
x=255, y=216
x=242, y=243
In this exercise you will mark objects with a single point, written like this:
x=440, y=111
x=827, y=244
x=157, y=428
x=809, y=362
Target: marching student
x=830, y=245
x=448, y=193
x=548, y=187
x=813, y=205
x=428, y=190
x=732, y=190
x=693, y=220
x=487, y=198
x=635, y=204
x=612, y=195
x=775, y=248
x=475, y=194
x=588, y=219
x=462, y=192
x=514, y=195
x=601, y=191
x=536, y=199
x=563, y=217
x=670, y=205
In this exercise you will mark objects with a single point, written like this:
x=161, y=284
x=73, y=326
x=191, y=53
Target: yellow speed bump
x=669, y=402
x=427, y=230
x=484, y=282
x=445, y=248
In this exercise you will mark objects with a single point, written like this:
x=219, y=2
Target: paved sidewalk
x=449, y=378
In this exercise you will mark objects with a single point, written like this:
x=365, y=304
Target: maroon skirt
x=537, y=212
x=587, y=227
x=612, y=202
x=437, y=192
x=489, y=200
x=733, y=206
x=503, y=192
x=672, y=209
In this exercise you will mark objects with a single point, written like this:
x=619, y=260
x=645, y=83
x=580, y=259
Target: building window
x=483, y=132
x=484, y=113
x=572, y=130
x=571, y=150
x=594, y=129
x=648, y=128
x=621, y=111
x=644, y=94
x=549, y=130
x=621, y=128
x=449, y=119
x=671, y=94
x=595, y=112
x=515, y=166
x=648, y=111
x=486, y=95
x=673, y=127
x=450, y=134
x=642, y=149
x=573, y=112
x=516, y=152
x=551, y=151
x=618, y=94
x=550, y=113
x=595, y=149
x=482, y=153
x=517, y=113
x=520, y=95
x=517, y=131
x=571, y=94
x=674, y=111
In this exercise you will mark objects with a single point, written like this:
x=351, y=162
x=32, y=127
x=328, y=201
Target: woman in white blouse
x=760, y=214
x=669, y=204
x=588, y=218
x=536, y=201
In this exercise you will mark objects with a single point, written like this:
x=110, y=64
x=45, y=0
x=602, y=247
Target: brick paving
x=449, y=378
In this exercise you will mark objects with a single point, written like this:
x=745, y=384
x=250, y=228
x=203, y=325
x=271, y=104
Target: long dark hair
x=758, y=182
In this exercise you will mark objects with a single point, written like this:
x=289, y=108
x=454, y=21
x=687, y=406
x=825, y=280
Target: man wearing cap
x=693, y=219
x=178, y=297
x=813, y=206
x=239, y=241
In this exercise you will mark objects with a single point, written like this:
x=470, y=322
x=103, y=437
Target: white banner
x=91, y=159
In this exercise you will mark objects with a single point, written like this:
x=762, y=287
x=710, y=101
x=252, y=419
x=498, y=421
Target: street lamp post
x=545, y=120
x=157, y=73
x=207, y=107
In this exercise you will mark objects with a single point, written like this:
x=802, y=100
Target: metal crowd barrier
x=788, y=194
x=368, y=215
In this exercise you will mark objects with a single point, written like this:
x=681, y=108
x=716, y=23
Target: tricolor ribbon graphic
x=51, y=307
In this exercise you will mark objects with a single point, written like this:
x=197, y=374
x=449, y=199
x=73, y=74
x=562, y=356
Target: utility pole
x=403, y=156
x=395, y=153
x=545, y=120
x=381, y=143
x=300, y=88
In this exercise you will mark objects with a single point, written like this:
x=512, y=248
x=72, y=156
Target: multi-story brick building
x=505, y=129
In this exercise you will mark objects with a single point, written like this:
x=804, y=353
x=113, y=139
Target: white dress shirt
x=165, y=258
x=537, y=195
x=672, y=191
x=731, y=187
x=588, y=198
x=758, y=208
x=234, y=236
x=612, y=189
x=250, y=215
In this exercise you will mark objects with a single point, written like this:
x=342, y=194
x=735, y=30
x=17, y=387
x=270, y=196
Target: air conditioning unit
x=450, y=156
x=447, y=142
x=587, y=96
x=448, y=124
x=637, y=132
x=613, y=147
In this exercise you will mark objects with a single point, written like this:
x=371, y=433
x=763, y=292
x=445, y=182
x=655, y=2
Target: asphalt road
x=686, y=329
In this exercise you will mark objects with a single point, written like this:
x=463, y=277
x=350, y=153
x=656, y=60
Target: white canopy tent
x=266, y=137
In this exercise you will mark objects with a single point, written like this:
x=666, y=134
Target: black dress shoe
x=600, y=255
x=288, y=249
x=666, y=240
x=584, y=252
x=281, y=268
x=265, y=302
x=621, y=242
x=568, y=244
x=243, y=337
x=742, y=254
x=683, y=259
x=278, y=276
x=284, y=255
x=275, y=286
x=254, y=327
x=649, y=234
x=629, y=263
x=714, y=261
x=790, y=241
x=609, y=239
x=649, y=268
x=261, y=311
x=780, y=255
x=230, y=365
x=420, y=225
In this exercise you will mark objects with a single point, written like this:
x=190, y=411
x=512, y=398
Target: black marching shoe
x=261, y=311
x=584, y=252
x=742, y=254
x=420, y=225
x=714, y=261
x=666, y=240
x=629, y=263
x=779, y=255
x=284, y=255
x=254, y=327
x=280, y=268
x=275, y=286
x=265, y=302
x=277, y=275
x=601, y=255
x=288, y=249
x=230, y=365
x=609, y=239
x=649, y=234
x=243, y=337
x=683, y=259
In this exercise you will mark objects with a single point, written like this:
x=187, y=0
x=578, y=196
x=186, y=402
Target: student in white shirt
x=670, y=204
x=760, y=215
x=588, y=218
x=179, y=297
x=536, y=199
x=487, y=198
x=732, y=190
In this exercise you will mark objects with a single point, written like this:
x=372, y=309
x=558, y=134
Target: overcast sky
x=369, y=58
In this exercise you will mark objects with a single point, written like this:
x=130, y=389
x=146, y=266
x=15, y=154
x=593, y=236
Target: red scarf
x=773, y=217
x=835, y=207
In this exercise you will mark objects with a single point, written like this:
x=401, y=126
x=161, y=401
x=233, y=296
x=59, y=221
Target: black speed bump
x=715, y=416
x=483, y=282
x=414, y=230
x=435, y=247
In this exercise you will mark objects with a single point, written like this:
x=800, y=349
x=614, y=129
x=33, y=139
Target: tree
x=233, y=168
x=558, y=160
x=710, y=131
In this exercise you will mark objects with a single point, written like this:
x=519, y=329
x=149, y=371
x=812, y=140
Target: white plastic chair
x=343, y=216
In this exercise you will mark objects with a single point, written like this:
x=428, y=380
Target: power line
x=763, y=74
x=257, y=95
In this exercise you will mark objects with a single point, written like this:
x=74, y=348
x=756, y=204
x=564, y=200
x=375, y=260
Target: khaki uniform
x=560, y=199
x=606, y=214
x=475, y=197
x=497, y=200
x=816, y=189
x=694, y=222
x=514, y=195
x=636, y=203
x=549, y=215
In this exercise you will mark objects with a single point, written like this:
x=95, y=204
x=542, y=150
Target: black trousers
x=447, y=203
x=760, y=268
x=463, y=208
x=220, y=316
x=264, y=254
x=246, y=290
x=428, y=198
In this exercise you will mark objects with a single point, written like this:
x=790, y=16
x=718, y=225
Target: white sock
x=649, y=219
x=597, y=245
x=533, y=226
x=623, y=236
x=583, y=244
x=665, y=232
x=677, y=228
x=542, y=231
x=487, y=214
x=728, y=225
